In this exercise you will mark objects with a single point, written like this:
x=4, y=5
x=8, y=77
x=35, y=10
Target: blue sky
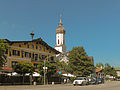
x=94, y=24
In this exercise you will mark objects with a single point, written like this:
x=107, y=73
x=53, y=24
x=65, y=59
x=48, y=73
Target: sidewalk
x=47, y=85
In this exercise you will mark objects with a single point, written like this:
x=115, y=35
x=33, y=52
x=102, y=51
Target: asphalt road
x=114, y=85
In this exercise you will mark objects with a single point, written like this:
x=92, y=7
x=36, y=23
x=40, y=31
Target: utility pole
x=44, y=70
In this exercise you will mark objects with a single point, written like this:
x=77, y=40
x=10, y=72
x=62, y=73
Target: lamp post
x=45, y=68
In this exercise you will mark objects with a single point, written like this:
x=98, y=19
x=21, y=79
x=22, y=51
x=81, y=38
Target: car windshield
x=80, y=79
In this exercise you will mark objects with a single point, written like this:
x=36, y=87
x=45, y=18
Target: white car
x=80, y=81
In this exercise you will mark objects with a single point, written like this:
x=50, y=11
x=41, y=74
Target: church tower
x=60, y=38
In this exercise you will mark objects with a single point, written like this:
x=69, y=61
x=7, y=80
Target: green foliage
x=62, y=66
x=50, y=71
x=79, y=62
x=72, y=79
x=23, y=68
x=99, y=65
x=3, y=47
x=108, y=70
x=41, y=79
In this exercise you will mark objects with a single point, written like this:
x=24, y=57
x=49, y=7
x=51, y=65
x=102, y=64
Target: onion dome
x=60, y=28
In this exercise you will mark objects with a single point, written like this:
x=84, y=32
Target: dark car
x=99, y=80
x=92, y=80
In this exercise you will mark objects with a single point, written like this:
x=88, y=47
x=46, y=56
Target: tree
x=100, y=65
x=62, y=66
x=22, y=68
x=79, y=62
x=51, y=69
x=3, y=47
x=108, y=70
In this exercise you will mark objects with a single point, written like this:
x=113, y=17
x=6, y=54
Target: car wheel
x=74, y=84
x=82, y=84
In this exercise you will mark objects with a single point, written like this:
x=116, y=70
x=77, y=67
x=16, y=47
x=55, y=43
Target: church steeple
x=60, y=38
x=60, y=23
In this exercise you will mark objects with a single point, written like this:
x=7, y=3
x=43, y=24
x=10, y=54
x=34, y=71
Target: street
x=114, y=85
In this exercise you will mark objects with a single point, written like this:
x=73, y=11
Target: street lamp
x=45, y=68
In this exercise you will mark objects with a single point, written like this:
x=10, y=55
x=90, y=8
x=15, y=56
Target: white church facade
x=60, y=43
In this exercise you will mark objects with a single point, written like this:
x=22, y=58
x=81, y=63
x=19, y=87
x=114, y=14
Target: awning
x=35, y=74
x=68, y=75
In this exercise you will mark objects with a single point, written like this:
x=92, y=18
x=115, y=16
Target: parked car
x=81, y=81
x=92, y=80
x=99, y=80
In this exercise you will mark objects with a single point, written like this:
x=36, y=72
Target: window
x=37, y=42
x=44, y=48
x=32, y=46
x=52, y=58
x=19, y=45
x=49, y=51
x=14, y=63
x=10, y=52
x=27, y=54
x=35, y=65
x=47, y=48
x=13, y=52
x=33, y=56
x=58, y=41
x=36, y=47
x=44, y=57
x=22, y=53
x=40, y=48
x=40, y=56
x=16, y=53
x=27, y=46
x=6, y=52
x=36, y=57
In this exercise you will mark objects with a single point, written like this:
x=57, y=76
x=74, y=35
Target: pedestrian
x=64, y=80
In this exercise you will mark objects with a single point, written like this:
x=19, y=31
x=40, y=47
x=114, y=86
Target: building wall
x=118, y=73
x=28, y=52
x=59, y=48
